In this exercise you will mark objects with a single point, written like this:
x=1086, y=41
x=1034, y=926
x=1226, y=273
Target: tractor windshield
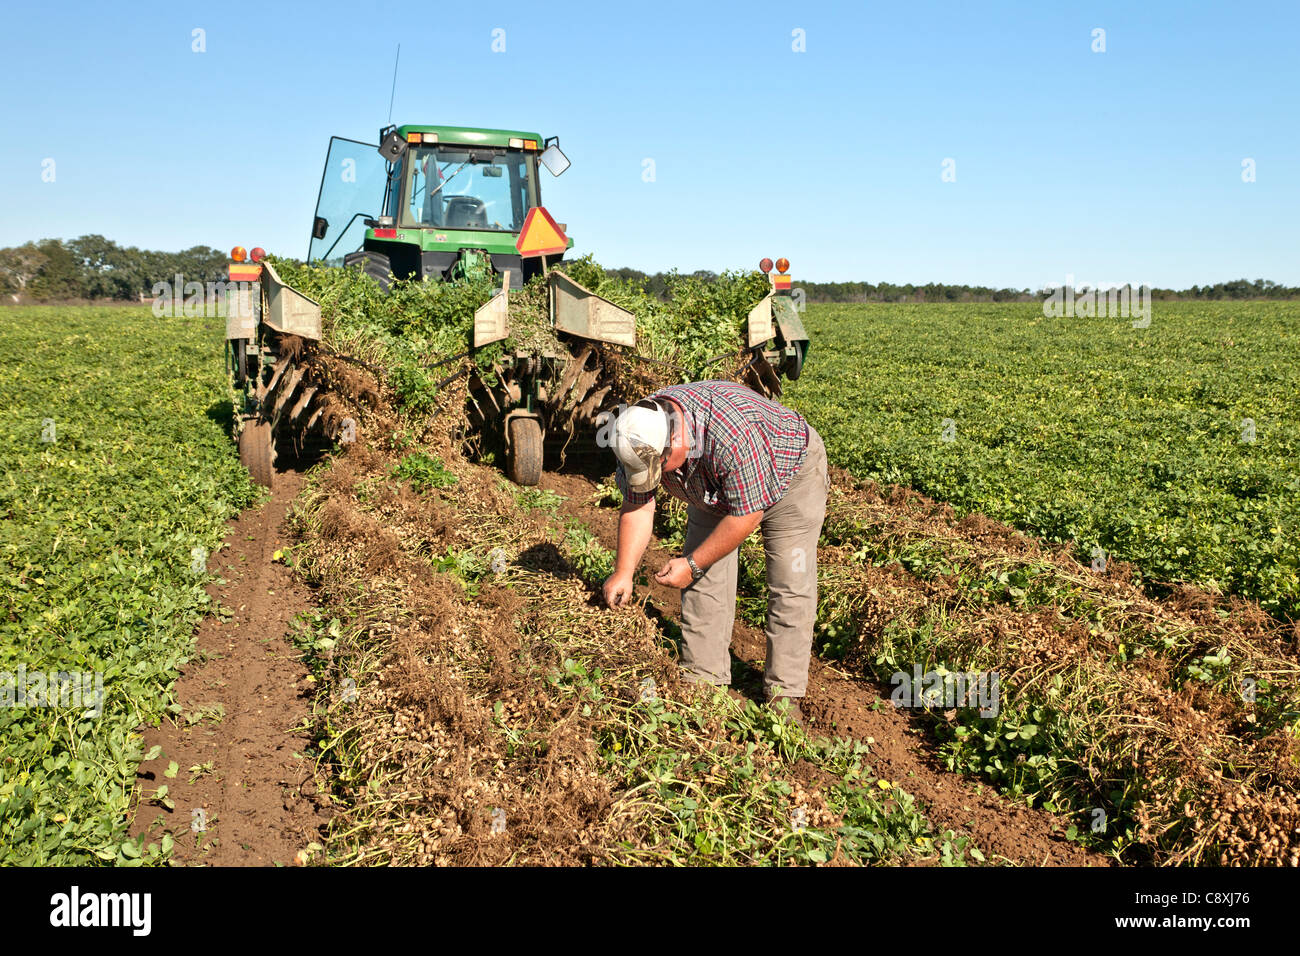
x=460, y=187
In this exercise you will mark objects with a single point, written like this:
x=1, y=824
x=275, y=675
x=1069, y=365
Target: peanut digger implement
x=559, y=393
x=280, y=391
x=449, y=204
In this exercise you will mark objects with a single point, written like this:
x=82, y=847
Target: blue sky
x=1117, y=166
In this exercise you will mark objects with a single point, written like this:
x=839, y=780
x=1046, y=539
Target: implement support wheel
x=256, y=451
x=524, y=451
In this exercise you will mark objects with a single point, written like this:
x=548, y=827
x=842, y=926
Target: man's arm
x=726, y=538
x=722, y=540
x=635, y=525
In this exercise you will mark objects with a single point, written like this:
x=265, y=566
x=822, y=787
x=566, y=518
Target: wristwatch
x=696, y=573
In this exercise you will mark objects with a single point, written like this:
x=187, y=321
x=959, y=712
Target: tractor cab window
x=457, y=187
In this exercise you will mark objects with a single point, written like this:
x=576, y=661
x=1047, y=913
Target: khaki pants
x=790, y=530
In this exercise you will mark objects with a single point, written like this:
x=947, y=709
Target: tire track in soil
x=260, y=796
x=855, y=708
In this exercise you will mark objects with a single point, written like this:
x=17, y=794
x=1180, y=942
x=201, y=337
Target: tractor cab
x=431, y=201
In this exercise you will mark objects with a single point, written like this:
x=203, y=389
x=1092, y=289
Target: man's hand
x=675, y=574
x=618, y=589
x=634, y=527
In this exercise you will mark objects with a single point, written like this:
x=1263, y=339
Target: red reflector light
x=244, y=271
x=385, y=233
x=258, y=254
x=238, y=254
x=766, y=265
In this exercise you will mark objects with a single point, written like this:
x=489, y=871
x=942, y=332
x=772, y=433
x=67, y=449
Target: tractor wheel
x=257, y=452
x=524, y=451
x=374, y=264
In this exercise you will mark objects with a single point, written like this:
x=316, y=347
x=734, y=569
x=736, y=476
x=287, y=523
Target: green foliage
x=467, y=565
x=728, y=808
x=416, y=388
x=699, y=318
x=436, y=318
x=98, y=568
x=536, y=499
x=937, y=292
x=96, y=267
x=607, y=494
x=592, y=560
x=1086, y=430
x=423, y=471
x=418, y=323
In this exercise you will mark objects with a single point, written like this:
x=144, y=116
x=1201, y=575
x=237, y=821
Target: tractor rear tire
x=257, y=452
x=524, y=451
x=374, y=264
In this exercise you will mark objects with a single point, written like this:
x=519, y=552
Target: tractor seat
x=466, y=212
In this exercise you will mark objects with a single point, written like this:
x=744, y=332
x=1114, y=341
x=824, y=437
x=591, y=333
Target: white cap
x=640, y=437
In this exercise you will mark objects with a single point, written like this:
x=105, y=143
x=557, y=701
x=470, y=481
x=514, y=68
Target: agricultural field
x=1175, y=448
x=468, y=700
x=490, y=690
x=118, y=475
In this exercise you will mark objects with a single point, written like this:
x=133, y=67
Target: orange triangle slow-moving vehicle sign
x=541, y=236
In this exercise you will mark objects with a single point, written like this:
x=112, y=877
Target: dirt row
x=241, y=790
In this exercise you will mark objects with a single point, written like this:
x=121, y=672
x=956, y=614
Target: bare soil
x=244, y=793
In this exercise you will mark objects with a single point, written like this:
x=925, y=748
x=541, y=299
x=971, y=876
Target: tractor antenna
x=393, y=92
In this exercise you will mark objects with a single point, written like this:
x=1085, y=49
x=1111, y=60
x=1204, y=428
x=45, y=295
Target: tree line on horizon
x=847, y=292
x=93, y=267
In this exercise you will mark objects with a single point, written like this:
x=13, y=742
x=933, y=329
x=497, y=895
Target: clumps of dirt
x=633, y=379
x=452, y=752
x=357, y=385
x=292, y=347
x=1175, y=717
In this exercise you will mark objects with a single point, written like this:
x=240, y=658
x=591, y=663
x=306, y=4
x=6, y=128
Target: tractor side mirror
x=319, y=227
x=393, y=147
x=554, y=160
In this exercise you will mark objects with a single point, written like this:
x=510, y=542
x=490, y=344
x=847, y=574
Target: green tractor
x=447, y=203
x=432, y=202
x=444, y=203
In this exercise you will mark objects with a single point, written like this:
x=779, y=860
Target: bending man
x=740, y=462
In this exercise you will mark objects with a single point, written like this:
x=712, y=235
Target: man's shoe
x=789, y=708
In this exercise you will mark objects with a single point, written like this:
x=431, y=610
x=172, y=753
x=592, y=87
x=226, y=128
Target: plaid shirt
x=744, y=450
